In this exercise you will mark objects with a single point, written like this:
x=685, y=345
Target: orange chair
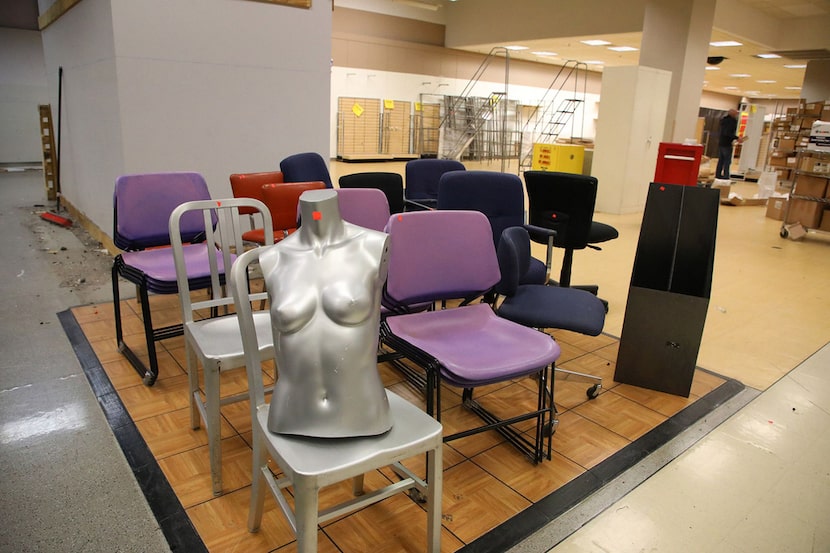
x=249, y=185
x=282, y=200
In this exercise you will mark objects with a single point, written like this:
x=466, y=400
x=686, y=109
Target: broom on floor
x=47, y=215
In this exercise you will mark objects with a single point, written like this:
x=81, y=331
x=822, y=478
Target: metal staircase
x=551, y=115
x=466, y=115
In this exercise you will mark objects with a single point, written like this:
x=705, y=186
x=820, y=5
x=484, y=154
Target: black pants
x=724, y=162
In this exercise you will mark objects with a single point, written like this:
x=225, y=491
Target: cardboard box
x=776, y=207
x=814, y=109
x=796, y=231
x=825, y=221
x=809, y=185
x=806, y=212
x=786, y=144
x=778, y=158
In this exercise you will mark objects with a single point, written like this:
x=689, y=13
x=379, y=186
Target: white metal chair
x=308, y=464
x=215, y=342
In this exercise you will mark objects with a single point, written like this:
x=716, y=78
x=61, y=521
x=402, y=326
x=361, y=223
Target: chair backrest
x=222, y=243
x=563, y=202
x=306, y=167
x=249, y=185
x=422, y=176
x=438, y=255
x=514, y=258
x=390, y=183
x=365, y=207
x=499, y=196
x=142, y=204
x=283, y=200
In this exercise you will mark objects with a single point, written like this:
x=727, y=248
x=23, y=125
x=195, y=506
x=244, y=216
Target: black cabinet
x=670, y=286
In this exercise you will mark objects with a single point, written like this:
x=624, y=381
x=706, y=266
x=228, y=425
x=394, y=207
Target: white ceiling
x=741, y=60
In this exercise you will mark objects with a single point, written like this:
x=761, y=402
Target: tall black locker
x=670, y=286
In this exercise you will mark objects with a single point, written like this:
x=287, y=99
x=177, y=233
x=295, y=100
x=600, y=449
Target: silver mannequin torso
x=324, y=282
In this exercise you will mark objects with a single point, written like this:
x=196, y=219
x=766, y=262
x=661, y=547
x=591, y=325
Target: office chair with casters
x=282, y=200
x=449, y=255
x=306, y=167
x=499, y=196
x=308, y=464
x=421, y=181
x=390, y=183
x=565, y=202
x=142, y=204
x=249, y=185
x=540, y=306
x=365, y=207
x=215, y=343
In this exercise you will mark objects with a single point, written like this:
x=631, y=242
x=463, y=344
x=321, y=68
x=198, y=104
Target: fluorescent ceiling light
x=595, y=42
x=792, y=88
x=753, y=92
x=594, y=62
x=712, y=68
x=768, y=56
x=623, y=48
x=766, y=81
x=516, y=47
x=740, y=75
x=730, y=88
x=799, y=66
x=544, y=54
x=726, y=43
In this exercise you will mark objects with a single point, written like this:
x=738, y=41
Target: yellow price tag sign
x=357, y=109
x=389, y=104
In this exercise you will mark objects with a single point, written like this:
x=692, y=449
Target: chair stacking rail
x=438, y=256
x=142, y=204
x=215, y=342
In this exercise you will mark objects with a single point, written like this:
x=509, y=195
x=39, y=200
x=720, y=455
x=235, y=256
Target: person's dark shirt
x=728, y=130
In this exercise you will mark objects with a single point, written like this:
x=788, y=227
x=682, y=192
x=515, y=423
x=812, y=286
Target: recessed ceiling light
x=740, y=75
x=765, y=81
x=730, y=88
x=798, y=66
x=726, y=43
x=594, y=62
x=516, y=47
x=712, y=68
x=595, y=42
x=544, y=53
x=622, y=48
x=768, y=56
x=753, y=92
x=792, y=88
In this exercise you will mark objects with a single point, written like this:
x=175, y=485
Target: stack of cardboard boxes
x=791, y=133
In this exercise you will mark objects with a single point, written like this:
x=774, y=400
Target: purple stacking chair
x=142, y=206
x=540, y=306
x=436, y=256
x=306, y=167
x=364, y=207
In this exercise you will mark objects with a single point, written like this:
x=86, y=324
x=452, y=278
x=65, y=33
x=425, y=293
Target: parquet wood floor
x=486, y=481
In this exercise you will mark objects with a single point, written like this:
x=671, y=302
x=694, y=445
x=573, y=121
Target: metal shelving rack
x=813, y=169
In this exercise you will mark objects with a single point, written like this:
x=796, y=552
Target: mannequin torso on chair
x=324, y=282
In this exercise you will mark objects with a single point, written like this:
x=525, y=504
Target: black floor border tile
x=521, y=526
x=171, y=516
x=182, y=536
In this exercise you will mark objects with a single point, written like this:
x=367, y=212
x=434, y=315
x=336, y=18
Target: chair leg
x=193, y=386
x=357, y=485
x=305, y=514
x=149, y=375
x=212, y=423
x=258, y=484
x=435, y=475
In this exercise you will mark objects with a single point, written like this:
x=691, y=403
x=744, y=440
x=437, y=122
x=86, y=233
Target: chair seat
x=454, y=337
x=158, y=266
x=257, y=235
x=331, y=460
x=600, y=232
x=576, y=310
x=219, y=338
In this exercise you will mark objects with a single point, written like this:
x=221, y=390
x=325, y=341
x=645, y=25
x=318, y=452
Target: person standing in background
x=727, y=135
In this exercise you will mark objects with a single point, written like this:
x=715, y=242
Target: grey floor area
x=64, y=483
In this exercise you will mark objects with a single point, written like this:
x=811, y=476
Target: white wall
x=22, y=87
x=213, y=86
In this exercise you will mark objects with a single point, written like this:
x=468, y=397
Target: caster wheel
x=149, y=378
x=593, y=391
x=784, y=233
x=550, y=428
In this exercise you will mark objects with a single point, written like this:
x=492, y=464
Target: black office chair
x=564, y=202
x=390, y=184
x=422, y=177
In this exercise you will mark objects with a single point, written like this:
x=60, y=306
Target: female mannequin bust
x=324, y=282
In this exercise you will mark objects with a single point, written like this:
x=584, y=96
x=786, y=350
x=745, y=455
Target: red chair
x=282, y=200
x=249, y=185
